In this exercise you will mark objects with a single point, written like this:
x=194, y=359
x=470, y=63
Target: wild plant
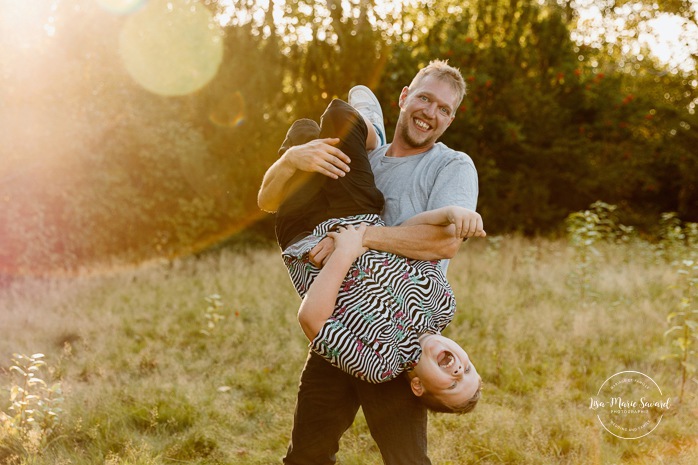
x=494, y=244
x=34, y=411
x=587, y=228
x=672, y=237
x=212, y=314
x=691, y=233
x=684, y=330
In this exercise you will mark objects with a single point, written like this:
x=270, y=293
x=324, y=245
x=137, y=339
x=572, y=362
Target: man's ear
x=416, y=386
x=403, y=96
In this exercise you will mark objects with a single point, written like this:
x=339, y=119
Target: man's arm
x=431, y=235
x=468, y=222
x=420, y=242
x=295, y=165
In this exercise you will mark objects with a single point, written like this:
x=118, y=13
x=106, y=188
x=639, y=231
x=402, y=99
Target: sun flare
x=171, y=47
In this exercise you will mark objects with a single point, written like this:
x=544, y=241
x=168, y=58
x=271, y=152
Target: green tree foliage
x=95, y=167
x=553, y=126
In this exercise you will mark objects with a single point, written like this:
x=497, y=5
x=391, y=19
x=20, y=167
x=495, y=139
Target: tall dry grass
x=144, y=385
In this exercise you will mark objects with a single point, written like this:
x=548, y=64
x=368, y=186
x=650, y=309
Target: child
x=374, y=314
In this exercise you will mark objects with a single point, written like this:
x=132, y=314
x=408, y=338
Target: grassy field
x=147, y=380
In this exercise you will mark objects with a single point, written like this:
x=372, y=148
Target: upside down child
x=372, y=314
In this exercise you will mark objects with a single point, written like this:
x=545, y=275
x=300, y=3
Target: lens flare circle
x=171, y=47
x=229, y=111
x=120, y=6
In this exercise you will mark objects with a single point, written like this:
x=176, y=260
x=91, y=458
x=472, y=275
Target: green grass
x=143, y=385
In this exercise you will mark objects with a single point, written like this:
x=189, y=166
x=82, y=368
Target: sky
x=669, y=38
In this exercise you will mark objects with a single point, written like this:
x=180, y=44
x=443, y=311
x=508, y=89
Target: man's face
x=427, y=109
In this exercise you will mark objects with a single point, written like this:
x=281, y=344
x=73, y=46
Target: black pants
x=319, y=198
x=329, y=398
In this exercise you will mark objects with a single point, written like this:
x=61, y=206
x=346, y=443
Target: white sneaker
x=361, y=98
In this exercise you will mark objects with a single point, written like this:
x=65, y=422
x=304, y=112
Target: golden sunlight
x=171, y=47
x=24, y=23
x=121, y=6
x=25, y=38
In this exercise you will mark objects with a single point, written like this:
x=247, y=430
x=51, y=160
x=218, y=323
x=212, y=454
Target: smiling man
x=426, y=112
x=415, y=173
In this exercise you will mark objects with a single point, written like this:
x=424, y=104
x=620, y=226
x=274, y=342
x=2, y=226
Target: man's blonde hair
x=442, y=70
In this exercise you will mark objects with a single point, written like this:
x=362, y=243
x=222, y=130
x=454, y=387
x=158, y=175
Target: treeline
x=97, y=168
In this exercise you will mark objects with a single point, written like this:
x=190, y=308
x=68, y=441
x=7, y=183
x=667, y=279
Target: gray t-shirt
x=414, y=184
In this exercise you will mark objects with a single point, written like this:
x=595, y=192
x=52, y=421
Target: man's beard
x=404, y=128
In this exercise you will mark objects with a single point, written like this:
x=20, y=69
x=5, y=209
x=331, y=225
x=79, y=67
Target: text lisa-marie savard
x=618, y=402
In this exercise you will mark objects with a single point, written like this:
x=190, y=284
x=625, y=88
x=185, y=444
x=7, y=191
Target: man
x=415, y=174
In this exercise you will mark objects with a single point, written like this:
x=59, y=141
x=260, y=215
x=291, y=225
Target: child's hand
x=468, y=222
x=349, y=239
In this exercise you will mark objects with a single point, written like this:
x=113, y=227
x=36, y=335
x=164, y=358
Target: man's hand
x=294, y=167
x=468, y=223
x=319, y=156
x=321, y=252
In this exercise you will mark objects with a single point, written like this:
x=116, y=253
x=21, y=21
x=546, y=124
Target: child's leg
x=302, y=203
x=355, y=193
x=372, y=139
x=301, y=131
x=366, y=103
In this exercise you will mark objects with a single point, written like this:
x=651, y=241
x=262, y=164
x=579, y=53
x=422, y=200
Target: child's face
x=445, y=371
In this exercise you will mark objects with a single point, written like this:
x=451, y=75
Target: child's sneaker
x=361, y=98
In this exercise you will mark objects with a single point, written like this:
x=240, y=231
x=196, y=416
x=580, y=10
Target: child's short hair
x=432, y=403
